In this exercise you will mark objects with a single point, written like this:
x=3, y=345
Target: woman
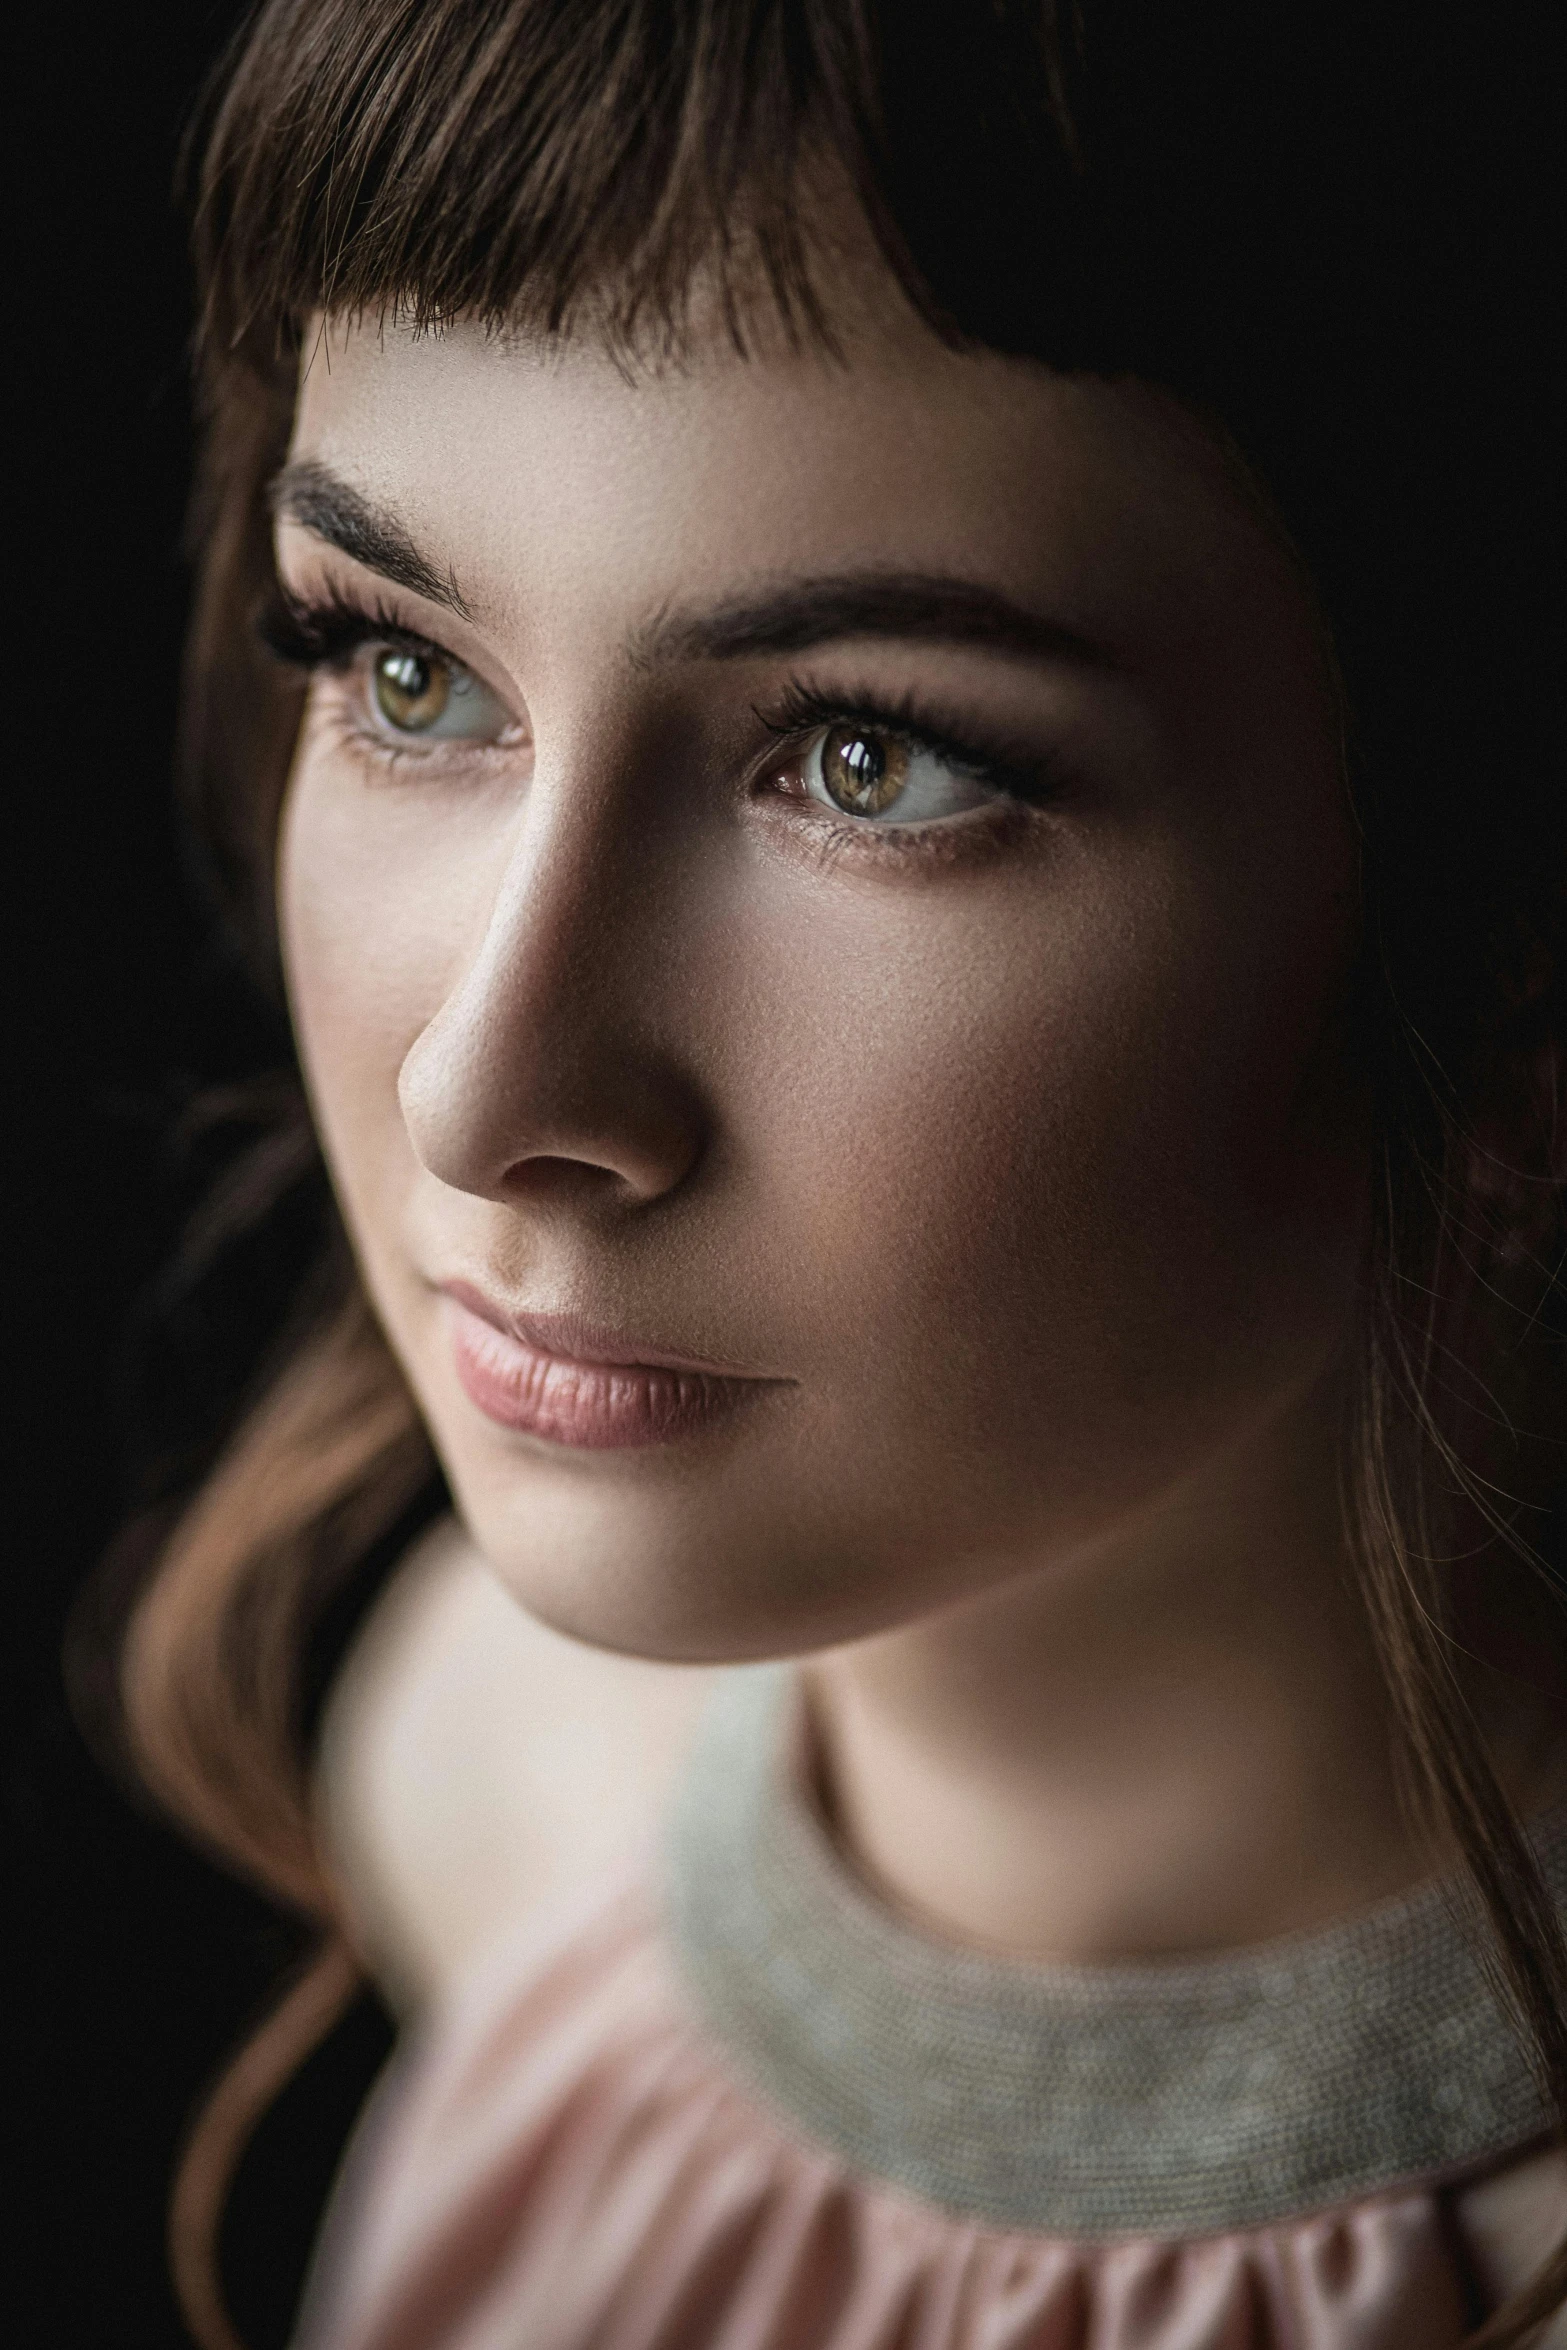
x=882, y=686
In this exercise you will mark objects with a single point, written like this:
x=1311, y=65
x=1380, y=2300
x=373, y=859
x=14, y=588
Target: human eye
x=421, y=694
x=885, y=769
x=888, y=777
x=397, y=689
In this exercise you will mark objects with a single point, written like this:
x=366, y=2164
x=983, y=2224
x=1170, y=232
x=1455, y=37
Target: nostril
x=551, y=1180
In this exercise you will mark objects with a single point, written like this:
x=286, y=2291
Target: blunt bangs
x=527, y=162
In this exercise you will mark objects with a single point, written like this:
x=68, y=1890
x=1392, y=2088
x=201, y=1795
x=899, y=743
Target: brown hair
x=1301, y=233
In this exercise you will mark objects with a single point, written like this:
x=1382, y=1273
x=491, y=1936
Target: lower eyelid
x=350, y=729
x=933, y=840
x=942, y=845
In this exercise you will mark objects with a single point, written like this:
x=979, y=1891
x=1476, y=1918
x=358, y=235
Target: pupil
x=866, y=764
x=864, y=773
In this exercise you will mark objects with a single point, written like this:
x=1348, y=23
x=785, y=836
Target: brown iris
x=411, y=691
x=864, y=771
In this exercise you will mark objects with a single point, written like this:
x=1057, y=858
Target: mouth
x=560, y=1378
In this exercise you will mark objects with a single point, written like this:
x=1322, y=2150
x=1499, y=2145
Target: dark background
x=138, y=1964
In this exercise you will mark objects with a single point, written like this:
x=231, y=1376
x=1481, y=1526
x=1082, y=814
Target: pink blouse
x=732, y=2104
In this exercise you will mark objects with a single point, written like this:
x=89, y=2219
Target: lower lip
x=595, y=1407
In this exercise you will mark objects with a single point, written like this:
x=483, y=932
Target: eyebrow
x=922, y=607
x=790, y=617
x=331, y=509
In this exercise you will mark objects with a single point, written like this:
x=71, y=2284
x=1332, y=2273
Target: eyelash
x=328, y=631
x=1019, y=771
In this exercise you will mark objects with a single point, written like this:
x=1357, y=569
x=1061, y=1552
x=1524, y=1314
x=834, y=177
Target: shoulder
x=477, y=1767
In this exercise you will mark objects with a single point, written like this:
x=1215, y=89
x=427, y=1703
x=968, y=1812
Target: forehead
x=526, y=467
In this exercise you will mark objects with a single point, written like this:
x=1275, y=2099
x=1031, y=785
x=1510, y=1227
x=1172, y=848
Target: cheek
x=1051, y=1166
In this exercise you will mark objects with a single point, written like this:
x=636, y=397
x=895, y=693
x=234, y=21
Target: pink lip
x=553, y=1376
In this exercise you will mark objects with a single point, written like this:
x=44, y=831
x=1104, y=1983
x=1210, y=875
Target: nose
x=548, y=1076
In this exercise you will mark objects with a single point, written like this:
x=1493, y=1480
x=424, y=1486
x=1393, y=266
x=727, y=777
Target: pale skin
x=1020, y=1159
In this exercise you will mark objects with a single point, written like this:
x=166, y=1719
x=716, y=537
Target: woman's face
x=818, y=905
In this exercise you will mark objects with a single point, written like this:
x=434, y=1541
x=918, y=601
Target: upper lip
x=571, y=1337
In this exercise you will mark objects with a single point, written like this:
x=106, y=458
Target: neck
x=1173, y=1742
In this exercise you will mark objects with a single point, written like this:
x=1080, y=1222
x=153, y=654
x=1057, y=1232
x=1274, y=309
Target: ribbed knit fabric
x=1132, y=2100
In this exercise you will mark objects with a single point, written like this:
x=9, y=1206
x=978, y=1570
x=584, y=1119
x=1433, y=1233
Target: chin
x=687, y=1585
